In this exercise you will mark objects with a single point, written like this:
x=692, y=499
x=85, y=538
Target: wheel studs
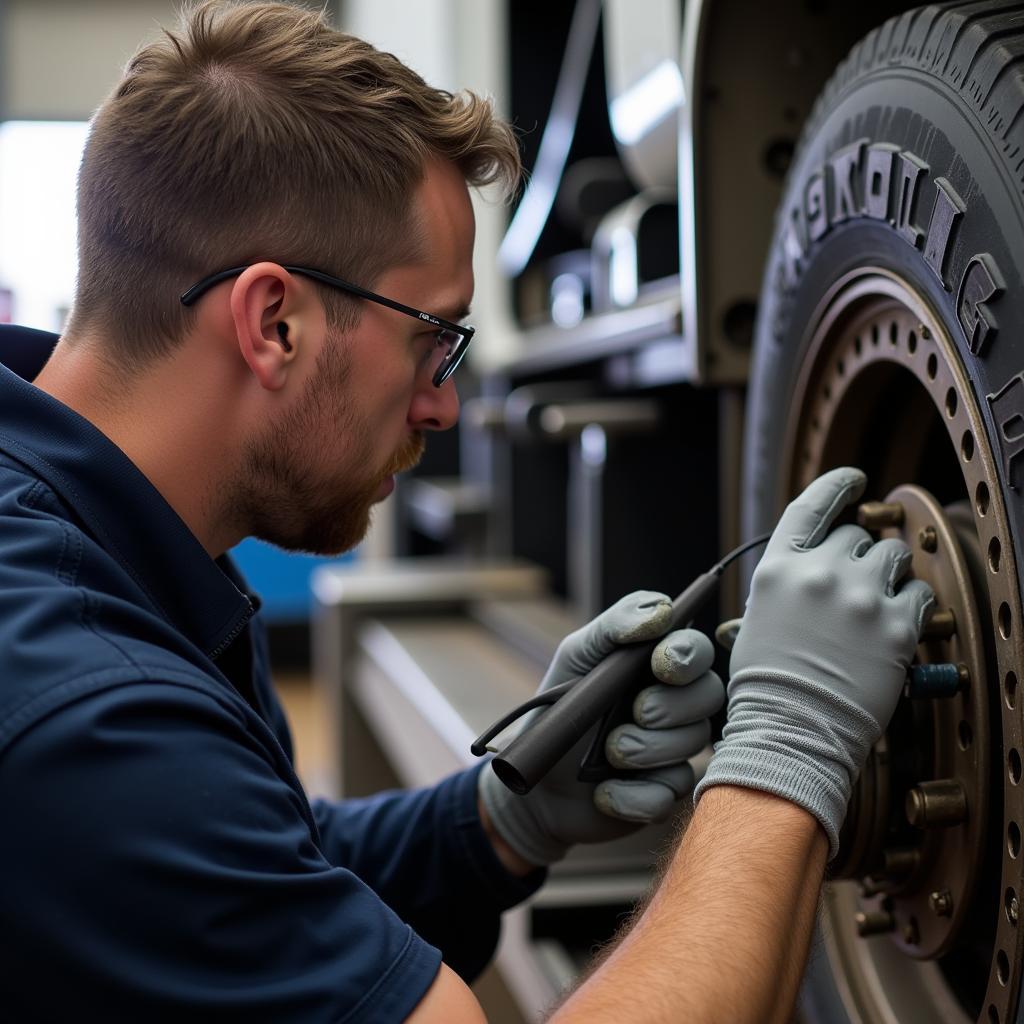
x=877, y=515
x=941, y=903
x=873, y=922
x=928, y=539
x=926, y=682
x=937, y=804
x=941, y=626
x=900, y=863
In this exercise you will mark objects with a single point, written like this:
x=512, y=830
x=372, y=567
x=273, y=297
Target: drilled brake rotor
x=927, y=930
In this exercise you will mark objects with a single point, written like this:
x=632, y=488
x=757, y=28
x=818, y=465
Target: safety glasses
x=452, y=339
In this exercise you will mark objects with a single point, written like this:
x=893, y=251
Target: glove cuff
x=515, y=822
x=795, y=739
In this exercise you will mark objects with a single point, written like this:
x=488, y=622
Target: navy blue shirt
x=158, y=856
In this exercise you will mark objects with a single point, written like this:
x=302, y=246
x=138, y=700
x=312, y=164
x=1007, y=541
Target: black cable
x=742, y=550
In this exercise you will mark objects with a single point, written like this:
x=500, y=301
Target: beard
x=284, y=496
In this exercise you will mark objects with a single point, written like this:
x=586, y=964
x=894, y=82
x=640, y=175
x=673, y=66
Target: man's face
x=311, y=479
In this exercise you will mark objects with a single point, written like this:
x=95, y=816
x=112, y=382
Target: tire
x=890, y=334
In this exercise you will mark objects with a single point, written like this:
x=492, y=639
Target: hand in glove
x=821, y=657
x=670, y=725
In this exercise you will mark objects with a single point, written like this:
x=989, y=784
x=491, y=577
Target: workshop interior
x=757, y=239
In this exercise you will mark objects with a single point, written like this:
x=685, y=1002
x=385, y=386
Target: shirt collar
x=125, y=513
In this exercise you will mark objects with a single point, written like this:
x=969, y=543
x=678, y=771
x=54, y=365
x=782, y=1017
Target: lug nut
x=925, y=682
x=1013, y=909
x=941, y=903
x=877, y=515
x=873, y=922
x=900, y=863
x=928, y=539
x=941, y=626
x=937, y=804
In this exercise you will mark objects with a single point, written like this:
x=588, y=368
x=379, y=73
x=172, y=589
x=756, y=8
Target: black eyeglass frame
x=443, y=372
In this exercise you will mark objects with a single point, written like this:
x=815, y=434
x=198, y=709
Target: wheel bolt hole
x=981, y=498
x=967, y=446
x=912, y=342
x=951, y=403
x=933, y=366
x=1002, y=967
x=1013, y=839
x=1005, y=623
x=993, y=1015
x=964, y=735
x=858, y=345
x=894, y=333
x=1010, y=688
x=840, y=367
x=994, y=551
x=1013, y=762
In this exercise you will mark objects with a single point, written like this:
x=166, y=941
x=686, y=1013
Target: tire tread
x=975, y=47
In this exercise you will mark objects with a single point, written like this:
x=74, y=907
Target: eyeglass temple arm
x=382, y=300
x=199, y=289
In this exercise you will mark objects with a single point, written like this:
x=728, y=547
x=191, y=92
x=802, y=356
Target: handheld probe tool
x=605, y=694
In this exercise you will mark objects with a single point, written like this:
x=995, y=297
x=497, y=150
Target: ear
x=265, y=308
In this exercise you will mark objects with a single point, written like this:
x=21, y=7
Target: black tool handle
x=533, y=753
x=595, y=766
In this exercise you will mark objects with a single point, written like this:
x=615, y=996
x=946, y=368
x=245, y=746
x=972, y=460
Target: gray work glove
x=821, y=658
x=671, y=724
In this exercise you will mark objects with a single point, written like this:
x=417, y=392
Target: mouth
x=404, y=459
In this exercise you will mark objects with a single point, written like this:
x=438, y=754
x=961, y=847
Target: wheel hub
x=916, y=831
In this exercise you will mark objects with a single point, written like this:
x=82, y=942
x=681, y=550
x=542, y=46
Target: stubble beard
x=284, y=496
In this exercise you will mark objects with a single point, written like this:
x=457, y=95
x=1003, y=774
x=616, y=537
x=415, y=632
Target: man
x=221, y=377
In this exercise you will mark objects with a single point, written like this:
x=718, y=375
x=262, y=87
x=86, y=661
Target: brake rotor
x=930, y=931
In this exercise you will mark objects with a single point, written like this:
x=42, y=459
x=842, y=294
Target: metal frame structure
x=751, y=73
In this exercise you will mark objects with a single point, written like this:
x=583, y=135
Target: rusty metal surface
x=950, y=856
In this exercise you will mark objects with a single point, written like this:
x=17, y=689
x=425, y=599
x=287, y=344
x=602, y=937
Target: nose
x=434, y=408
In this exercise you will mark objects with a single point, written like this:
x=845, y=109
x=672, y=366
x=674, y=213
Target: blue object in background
x=281, y=578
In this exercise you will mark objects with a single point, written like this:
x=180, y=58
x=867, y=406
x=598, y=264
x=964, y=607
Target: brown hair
x=256, y=131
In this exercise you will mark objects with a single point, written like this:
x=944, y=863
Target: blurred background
x=59, y=58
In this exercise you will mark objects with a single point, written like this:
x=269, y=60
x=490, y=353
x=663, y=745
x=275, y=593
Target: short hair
x=257, y=131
